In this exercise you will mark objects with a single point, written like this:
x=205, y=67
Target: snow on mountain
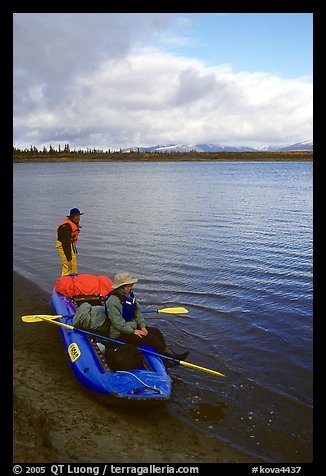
x=194, y=148
x=302, y=145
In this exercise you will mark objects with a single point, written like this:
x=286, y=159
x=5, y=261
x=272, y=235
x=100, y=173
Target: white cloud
x=125, y=95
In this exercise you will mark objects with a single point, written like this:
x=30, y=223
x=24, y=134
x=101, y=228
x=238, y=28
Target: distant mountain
x=302, y=145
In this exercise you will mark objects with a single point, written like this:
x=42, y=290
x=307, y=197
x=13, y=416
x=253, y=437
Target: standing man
x=67, y=236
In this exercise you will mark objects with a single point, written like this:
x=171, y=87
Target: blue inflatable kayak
x=149, y=383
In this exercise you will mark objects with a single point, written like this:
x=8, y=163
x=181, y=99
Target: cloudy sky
x=111, y=80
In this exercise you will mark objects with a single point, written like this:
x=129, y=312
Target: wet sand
x=56, y=421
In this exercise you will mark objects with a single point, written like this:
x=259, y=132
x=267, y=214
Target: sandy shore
x=57, y=421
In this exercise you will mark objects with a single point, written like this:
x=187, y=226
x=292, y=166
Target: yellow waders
x=65, y=270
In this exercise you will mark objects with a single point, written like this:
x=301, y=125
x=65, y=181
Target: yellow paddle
x=168, y=310
x=37, y=318
x=51, y=319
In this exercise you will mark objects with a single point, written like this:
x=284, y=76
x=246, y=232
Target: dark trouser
x=154, y=338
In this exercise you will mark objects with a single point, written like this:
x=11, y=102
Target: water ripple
x=231, y=242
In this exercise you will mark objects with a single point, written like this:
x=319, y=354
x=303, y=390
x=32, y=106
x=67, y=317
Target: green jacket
x=93, y=317
x=117, y=324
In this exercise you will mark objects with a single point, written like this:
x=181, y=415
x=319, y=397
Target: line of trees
x=65, y=150
x=65, y=153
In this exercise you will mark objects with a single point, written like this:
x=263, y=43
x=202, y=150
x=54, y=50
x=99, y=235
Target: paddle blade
x=198, y=367
x=174, y=310
x=39, y=318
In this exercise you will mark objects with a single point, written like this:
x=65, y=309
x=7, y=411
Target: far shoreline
x=39, y=157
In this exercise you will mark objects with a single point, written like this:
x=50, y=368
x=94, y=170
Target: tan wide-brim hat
x=122, y=279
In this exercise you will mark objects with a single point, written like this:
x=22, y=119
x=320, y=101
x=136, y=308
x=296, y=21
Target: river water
x=231, y=242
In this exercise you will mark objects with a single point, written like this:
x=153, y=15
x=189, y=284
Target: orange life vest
x=74, y=229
